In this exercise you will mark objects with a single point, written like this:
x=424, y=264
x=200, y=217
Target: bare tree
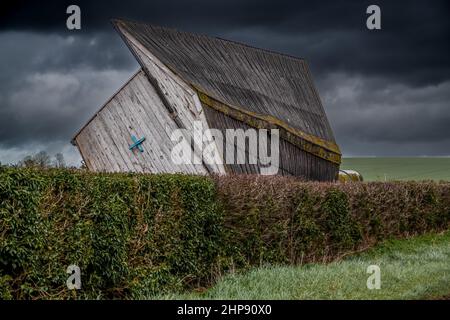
x=40, y=159
x=27, y=162
x=59, y=160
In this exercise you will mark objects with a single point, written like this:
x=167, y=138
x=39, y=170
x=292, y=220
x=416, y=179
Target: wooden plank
x=85, y=151
x=116, y=139
x=112, y=157
x=96, y=149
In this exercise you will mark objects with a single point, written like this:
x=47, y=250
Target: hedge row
x=137, y=235
x=283, y=220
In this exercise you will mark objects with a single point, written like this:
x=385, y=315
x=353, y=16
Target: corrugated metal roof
x=260, y=81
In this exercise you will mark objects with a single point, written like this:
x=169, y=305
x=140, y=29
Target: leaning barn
x=186, y=79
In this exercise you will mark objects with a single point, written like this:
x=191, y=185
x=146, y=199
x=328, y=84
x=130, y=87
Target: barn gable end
x=136, y=110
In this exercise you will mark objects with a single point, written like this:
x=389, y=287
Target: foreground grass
x=379, y=168
x=416, y=268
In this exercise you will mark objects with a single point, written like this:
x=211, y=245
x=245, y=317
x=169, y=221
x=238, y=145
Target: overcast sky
x=386, y=92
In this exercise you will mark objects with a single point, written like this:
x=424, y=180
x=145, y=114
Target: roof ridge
x=273, y=52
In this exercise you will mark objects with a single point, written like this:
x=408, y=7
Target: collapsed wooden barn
x=187, y=78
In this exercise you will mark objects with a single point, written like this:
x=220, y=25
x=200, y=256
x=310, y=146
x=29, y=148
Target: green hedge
x=134, y=236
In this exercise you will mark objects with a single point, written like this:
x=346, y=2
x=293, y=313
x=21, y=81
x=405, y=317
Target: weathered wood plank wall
x=134, y=110
x=293, y=161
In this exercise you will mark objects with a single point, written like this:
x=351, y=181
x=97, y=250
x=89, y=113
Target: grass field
x=380, y=169
x=416, y=268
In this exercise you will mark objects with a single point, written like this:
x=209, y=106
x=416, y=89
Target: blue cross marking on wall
x=137, y=143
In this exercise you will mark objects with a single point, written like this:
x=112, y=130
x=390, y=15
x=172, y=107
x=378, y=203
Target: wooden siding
x=323, y=149
x=135, y=110
x=293, y=161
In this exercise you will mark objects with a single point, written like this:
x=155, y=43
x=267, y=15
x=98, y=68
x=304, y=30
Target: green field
x=381, y=169
x=416, y=268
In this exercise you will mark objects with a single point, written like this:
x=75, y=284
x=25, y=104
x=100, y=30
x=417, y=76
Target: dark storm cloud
x=50, y=82
x=387, y=118
x=385, y=91
x=23, y=53
x=413, y=45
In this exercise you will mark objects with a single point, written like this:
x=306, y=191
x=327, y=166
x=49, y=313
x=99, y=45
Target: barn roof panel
x=260, y=81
